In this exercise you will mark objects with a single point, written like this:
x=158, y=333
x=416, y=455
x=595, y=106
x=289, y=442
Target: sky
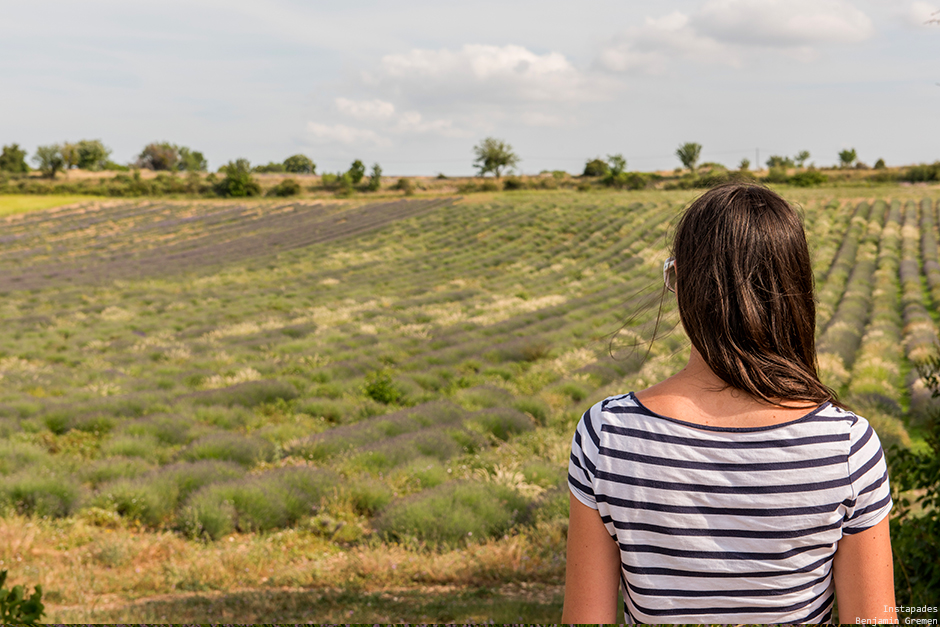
x=415, y=84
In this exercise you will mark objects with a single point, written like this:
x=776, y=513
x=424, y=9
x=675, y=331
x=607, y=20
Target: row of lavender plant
x=842, y=336
x=835, y=279
x=920, y=333
x=928, y=245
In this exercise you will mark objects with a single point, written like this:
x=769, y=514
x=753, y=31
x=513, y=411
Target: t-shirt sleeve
x=582, y=465
x=868, y=473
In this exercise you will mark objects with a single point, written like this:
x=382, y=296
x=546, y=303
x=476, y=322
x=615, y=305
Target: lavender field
x=349, y=412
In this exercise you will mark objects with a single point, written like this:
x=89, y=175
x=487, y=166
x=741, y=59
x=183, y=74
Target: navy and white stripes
x=728, y=524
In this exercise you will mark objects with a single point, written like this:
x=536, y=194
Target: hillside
x=281, y=410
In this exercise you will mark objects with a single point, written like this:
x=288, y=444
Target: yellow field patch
x=21, y=203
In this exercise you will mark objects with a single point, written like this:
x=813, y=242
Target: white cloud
x=782, y=23
x=920, y=13
x=726, y=31
x=649, y=48
x=501, y=73
x=342, y=134
x=366, y=109
x=414, y=122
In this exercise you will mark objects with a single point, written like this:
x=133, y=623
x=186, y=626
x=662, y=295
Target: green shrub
x=380, y=388
x=809, y=178
x=406, y=186
x=368, y=496
x=115, y=468
x=356, y=171
x=271, y=500
x=484, y=397
x=40, y=494
x=534, y=407
x=13, y=160
x=454, y=513
x=511, y=183
x=922, y=173
x=596, y=167
x=245, y=450
x=270, y=168
x=151, y=501
x=166, y=429
x=18, y=609
x=238, y=181
x=300, y=164
x=287, y=187
x=375, y=179
x=777, y=175
x=248, y=394
x=329, y=410
x=16, y=456
x=489, y=186
x=915, y=529
x=145, y=447
x=502, y=422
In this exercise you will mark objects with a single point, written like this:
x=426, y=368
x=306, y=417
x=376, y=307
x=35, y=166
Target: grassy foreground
x=290, y=411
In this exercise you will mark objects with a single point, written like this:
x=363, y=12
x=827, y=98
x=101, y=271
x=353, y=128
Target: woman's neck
x=696, y=394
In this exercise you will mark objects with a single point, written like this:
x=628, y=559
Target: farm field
x=274, y=411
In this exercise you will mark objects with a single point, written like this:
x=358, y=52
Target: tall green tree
x=801, y=158
x=13, y=160
x=300, y=164
x=238, y=181
x=69, y=152
x=159, y=156
x=192, y=160
x=49, y=159
x=847, y=157
x=689, y=154
x=596, y=167
x=92, y=154
x=494, y=155
x=356, y=171
x=375, y=179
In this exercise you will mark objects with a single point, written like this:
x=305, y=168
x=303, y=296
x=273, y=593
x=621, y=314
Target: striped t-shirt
x=727, y=525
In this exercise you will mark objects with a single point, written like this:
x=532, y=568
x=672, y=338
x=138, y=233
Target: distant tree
x=492, y=155
x=776, y=161
x=801, y=158
x=356, y=171
x=880, y=164
x=49, y=159
x=745, y=165
x=596, y=167
x=617, y=164
x=159, y=156
x=689, y=154
x=375, y=179
x=847, y=157
x=13, y=160
x=92, y=154
x=238, y=181
x=300, y=164
x=192, y=160
x=69, y=152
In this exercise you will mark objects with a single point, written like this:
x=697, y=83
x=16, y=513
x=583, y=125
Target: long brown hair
x=744, y=285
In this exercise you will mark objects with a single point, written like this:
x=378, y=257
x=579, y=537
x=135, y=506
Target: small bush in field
x=380, y=388
x=329, y=410
x=405, y=185
x=114, y=468
x=808, y=178
x=18, y=609
x=248, y=394
x=40, y=495
x=166, y=429
x=15, y=456
x=272, y=500
x=368, y=496
x=534, y=407
x=145, y=447
x=287, y=187
x=244, y=450
x=513, y=183
x=150, y=501
x=489, y=186
x=454, y=513
x=503, y=422
x=188, y=477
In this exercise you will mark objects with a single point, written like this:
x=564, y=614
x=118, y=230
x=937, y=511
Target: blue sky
x=414, y=85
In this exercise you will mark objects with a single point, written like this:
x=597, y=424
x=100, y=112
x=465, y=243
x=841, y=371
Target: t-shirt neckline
x=650, y=412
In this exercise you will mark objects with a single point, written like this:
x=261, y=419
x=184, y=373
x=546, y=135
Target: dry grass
x=94, y=573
